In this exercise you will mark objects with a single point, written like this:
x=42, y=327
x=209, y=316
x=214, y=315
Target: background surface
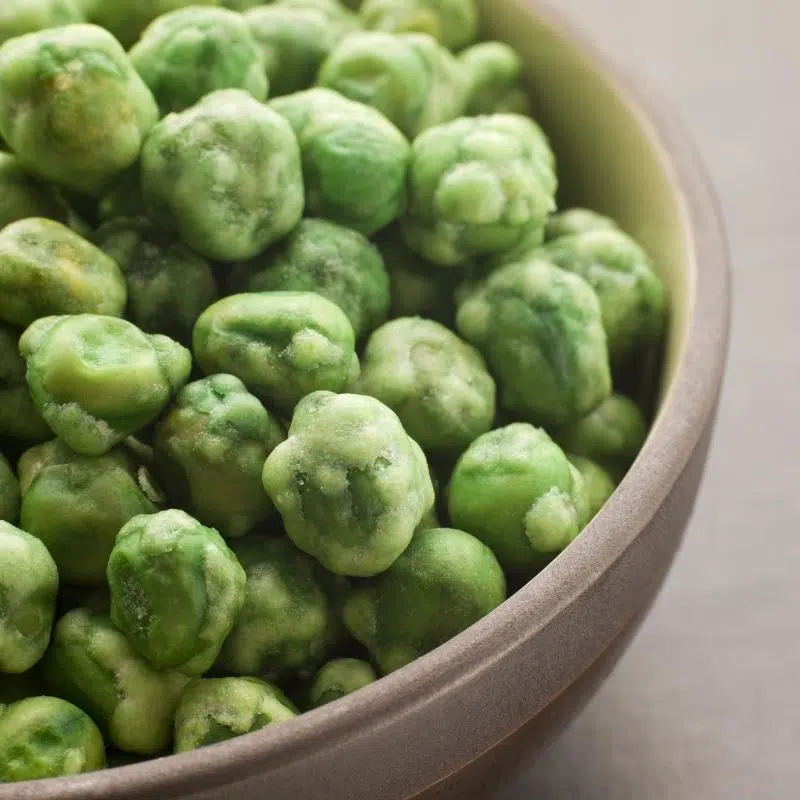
x=706, y=704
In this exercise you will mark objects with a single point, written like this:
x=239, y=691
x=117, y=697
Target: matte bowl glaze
x=456, y=722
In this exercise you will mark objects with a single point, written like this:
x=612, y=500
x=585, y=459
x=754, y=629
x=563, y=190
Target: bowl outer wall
x=426, y=722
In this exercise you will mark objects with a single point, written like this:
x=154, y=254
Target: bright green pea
x=598, y=484
x=443, y=583
x=437, y=384
x=611, y=435
x=225, y=175
x=77, y=505
x=410, y=78
x=28, y=585
x=631, y=294
x=96, y=380
x=9, y=493
x=46, y=269
x=217, y=709
x=577, y=220
x=541, y=332
x=72, y=107
x=22, y=195
x=494, y=80
x=20, y=419
x=45, y=737
x=354, y=160
x=176, y=590
x=350, y=484
x=210, y=450
x=194, y=51
x=453, y=22
x=287, y=625
x=478, y=186
x=515, y=490
x=18, y=17
x=336, y=262
x=169, y=286
x=91, y=664
x=283, y=345
x=339, y=678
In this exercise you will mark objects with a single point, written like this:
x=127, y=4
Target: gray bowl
x=459, y=720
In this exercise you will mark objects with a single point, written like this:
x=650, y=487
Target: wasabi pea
x=612, y=435
x=168, y=285
x=515, y=490
x=20, y=419
x=630, y=293
x=22, y=195
x=77, y=505
x=45, y=737
x=9, y=493
x=349, y=482
x=577, y=220
x=410, y=78
x=283, y=345
x=225, y=175
x=453, y=22
x=442, y=584
x=217, y=709
x=540, y=330
x=293, y=42
x=338, y=263
x=436, y=383
x=210, y=449
x=597, y=483
x=47, y=269
x=339, y=678
x=176, y=590
x=91, y=664
x=287, y=625
x=194, y=51
x=127, y=19
x=18, y=17
x=28, y=585
x=478, y=186
x=354, y=160
x=96, y=380
x=72, y=107
x=494, y=80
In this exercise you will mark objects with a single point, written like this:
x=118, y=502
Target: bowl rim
x=687, y=409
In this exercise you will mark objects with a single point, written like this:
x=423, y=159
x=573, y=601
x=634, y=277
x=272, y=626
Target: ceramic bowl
x=458, y=721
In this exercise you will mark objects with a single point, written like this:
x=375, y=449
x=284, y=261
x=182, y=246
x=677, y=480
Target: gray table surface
x=706, y=704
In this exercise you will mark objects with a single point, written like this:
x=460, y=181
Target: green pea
x=210, y=449
x=436, y=383
x=577, y=220
x=45, y=737
x=9, y=493
x=354, y=160
x=169, y=286
x=515, y=490
x=494, y=80
x=540, y=329
x=18, y=17
x=22, y=195
x=453, y=22
x=339, y=678
x=478, y=186
x=91, y=664
x=72, y=107
x=287, y=625
x=283, y=345
x=598, y=484
x=217, y=709
x=190, y=53
x=176, y=590
x=443, y=583
x=631, y=294
x=350, y=484
x=28, y=585
x=410, y=78
x=225, y=175
x=77, y=505
x=338, y=263
x=96, y=380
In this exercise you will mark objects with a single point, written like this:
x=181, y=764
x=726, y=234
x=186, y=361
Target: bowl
x=460, y=720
